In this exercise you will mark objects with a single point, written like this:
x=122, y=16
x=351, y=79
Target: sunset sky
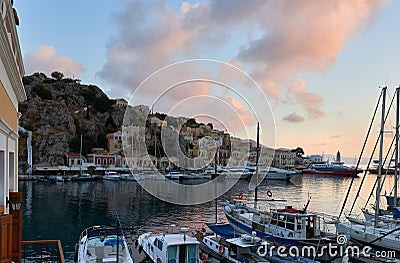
x=319, y=63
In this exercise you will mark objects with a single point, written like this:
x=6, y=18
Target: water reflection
x=62, y=211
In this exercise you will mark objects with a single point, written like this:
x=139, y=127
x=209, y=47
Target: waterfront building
x=283, y=158
x=101, y=158
x=114, y=141
x=315, y=158
x=75, y=160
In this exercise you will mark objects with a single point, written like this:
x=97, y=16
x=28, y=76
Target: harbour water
x=63, y=210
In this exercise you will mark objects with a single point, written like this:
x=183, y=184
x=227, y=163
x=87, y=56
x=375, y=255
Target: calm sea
x=63, y=210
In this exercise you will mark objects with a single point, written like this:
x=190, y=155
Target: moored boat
x=285, y=227
x=274, y=173
x=177, y=248
x=102, y=244
x=331, y=169
x=84, y=177
x=111, y=176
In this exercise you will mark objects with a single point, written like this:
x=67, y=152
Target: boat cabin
x=170, y=248
x=291, y=222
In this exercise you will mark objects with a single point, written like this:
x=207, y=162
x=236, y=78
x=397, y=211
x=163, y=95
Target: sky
x=316, y=65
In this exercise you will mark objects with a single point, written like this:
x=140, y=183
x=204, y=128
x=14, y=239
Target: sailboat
x=377, y=232
x=82, y=176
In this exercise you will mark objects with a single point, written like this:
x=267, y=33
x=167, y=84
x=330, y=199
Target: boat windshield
x=172, y=253
x=191, y=253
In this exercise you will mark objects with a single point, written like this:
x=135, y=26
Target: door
x=5, y=238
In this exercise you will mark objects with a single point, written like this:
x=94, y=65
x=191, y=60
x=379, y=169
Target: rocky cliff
x=58, y=110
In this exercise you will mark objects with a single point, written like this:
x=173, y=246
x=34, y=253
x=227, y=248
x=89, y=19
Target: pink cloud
x=298, y=94
x=276, y=41
x=45, y=59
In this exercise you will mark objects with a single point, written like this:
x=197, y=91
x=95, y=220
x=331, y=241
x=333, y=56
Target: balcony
x=42, y=251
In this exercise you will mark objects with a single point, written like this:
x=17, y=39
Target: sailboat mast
x=378, y=188
x=396, y=170
x=257, y=156
x=215, y=185
x=80, y=158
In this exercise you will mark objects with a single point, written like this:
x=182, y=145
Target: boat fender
x=136, y=243
x=203, y=258
x=159, y=260
x=269, y=193
x=228, y=209
x=76, y=252
x=221, y=249
x=140, y=249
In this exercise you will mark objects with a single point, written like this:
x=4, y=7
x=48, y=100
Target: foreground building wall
x=11, y=93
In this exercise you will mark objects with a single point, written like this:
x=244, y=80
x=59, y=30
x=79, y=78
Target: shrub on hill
x=42, y=92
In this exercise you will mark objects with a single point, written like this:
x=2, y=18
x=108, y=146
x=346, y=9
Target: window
x=2, y=174
x=11, y=171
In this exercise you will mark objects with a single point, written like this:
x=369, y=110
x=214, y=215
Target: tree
x=299, y=151
x=24, y=167
x=57, y=75
x=91, y=169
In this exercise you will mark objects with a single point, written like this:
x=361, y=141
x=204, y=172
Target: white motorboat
x=111, y=176
x=274, y=173
x=102, y=244
x=177, y=248
x=174, y=175
x=238, y=172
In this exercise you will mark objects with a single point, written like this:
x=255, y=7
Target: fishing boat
x=177, y=248
x=287, y=226
x=102, y=244
x=331, y=169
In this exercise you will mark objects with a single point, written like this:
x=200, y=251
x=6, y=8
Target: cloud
x=275, y=41
x=335, y=136
x=298, y=94
x=45, y=59
x=293, y=117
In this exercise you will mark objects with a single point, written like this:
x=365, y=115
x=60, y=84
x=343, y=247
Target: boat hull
x=367, y=234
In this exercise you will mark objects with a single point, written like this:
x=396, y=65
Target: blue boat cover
x=226, y=230
x=396, y=212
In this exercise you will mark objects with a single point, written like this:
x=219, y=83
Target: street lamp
x=16, y=204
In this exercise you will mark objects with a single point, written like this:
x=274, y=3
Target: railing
x=42, y=251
